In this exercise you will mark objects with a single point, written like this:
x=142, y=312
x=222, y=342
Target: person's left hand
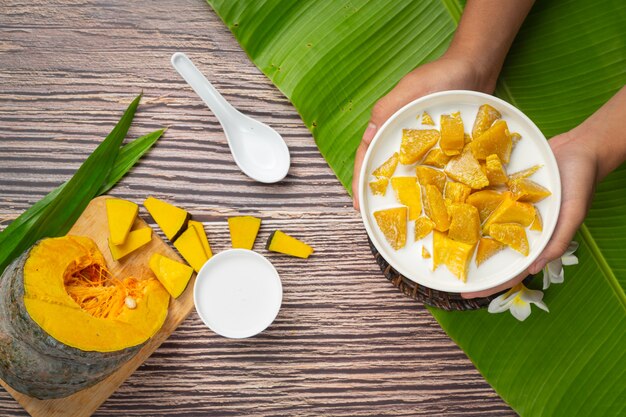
x=577, y=159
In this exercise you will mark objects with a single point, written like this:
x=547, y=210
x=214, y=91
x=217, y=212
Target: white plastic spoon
x=258, y=150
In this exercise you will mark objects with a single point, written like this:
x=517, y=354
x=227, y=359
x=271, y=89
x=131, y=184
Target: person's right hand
x=449, y=72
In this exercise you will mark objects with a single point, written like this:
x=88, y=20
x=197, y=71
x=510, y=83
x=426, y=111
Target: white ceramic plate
x=238, y=293
x=531, y=150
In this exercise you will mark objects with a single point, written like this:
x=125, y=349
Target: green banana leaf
x=334, y=60
x=54, y=214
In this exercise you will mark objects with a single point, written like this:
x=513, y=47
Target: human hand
x=450, y=72
x=578, y=163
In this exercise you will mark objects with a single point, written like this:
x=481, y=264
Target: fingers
x=571, y=216
x=368, y=135
x=501, y=287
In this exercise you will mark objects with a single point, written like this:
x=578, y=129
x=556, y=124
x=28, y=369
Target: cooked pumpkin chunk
x=281, y=242
x=456, y=192
x=409, y=194
x=496, y=140
x=387, y=168
x=495, y=171
x=171, y=219
x=524, y=173
x=511, y=234
x=467, y=138
x=415, y=143
x=451, y=253
x=427, y=175
x=464, y=224
x=510, y=211
x=203, y=237
x=537, y=224
x=243, y=231
x=452, y=134
x=485, y=201
x=135, y=240
x=425, y=253
x=484, y=119
x=423, y=226
x=466, y=169
x=527, y=190
x=427, y=120
x=190, y=247
x=172, y=274
x=515, y=137
x=487, y=247
x=379, y=186
x=121, y=215
x=435, y=208
x=392, y=222
x=436, y=158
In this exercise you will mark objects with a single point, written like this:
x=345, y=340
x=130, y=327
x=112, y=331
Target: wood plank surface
x=345, y=343
x=93, y=224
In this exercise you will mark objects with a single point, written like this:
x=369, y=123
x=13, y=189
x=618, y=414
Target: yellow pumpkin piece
x=425, y=253
x=484, y=119
x=415, y=143
x=487, y=247
x=515, y=137
x=485, y=201
x=537, y=224
x=510, y=211
x=524, y=173
x=283, y=243
x=464, y=224
x=456, y=192
x=172, y=274
x=171, y=219
x=409, y=194
x=436, y=158
x=528, y=191
x=496, y=140
x=466, y=169
x=243, y=231
x=435, y=208
x=74, y=298
x=452, y=134
x=427, y=175
x=511, y=234
x=121, y=215
x=135, y=240
x=451, y=253
x=190, y=247
x=466, y=138
x=203, y=237
x=423, y=226
x=392, y=222
x=379, y=186
x=427, y=120
x=495, y=171
x=387, y=168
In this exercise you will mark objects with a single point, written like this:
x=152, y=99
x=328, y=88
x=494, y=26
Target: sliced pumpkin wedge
x=171, y=219
x=172, y=274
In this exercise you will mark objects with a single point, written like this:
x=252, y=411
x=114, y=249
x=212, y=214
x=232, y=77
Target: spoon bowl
x=258, y=150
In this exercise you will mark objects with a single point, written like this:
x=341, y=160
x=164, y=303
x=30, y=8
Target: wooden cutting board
x=93, y=224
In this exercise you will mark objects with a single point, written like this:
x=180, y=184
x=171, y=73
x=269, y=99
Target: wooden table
x=346, y=342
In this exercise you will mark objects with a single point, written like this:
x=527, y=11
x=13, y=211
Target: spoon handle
x=218, y=104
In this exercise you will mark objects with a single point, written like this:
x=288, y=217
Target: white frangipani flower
x=518, y=300
x=553, y=271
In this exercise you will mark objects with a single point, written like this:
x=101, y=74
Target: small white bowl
x=532, y=149
x=238, y=293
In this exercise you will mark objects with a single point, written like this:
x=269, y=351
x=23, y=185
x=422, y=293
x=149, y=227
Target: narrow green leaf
x=68, y=202
x=129, y=154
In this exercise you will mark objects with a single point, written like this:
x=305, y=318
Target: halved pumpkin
x=70, y=293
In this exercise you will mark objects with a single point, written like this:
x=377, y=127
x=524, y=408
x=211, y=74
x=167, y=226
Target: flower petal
x=531, y=296
x=569, y=259
x=546, y=278
x=500, y=303
x=520, y=310
x=571, y=248
x=542, y=306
